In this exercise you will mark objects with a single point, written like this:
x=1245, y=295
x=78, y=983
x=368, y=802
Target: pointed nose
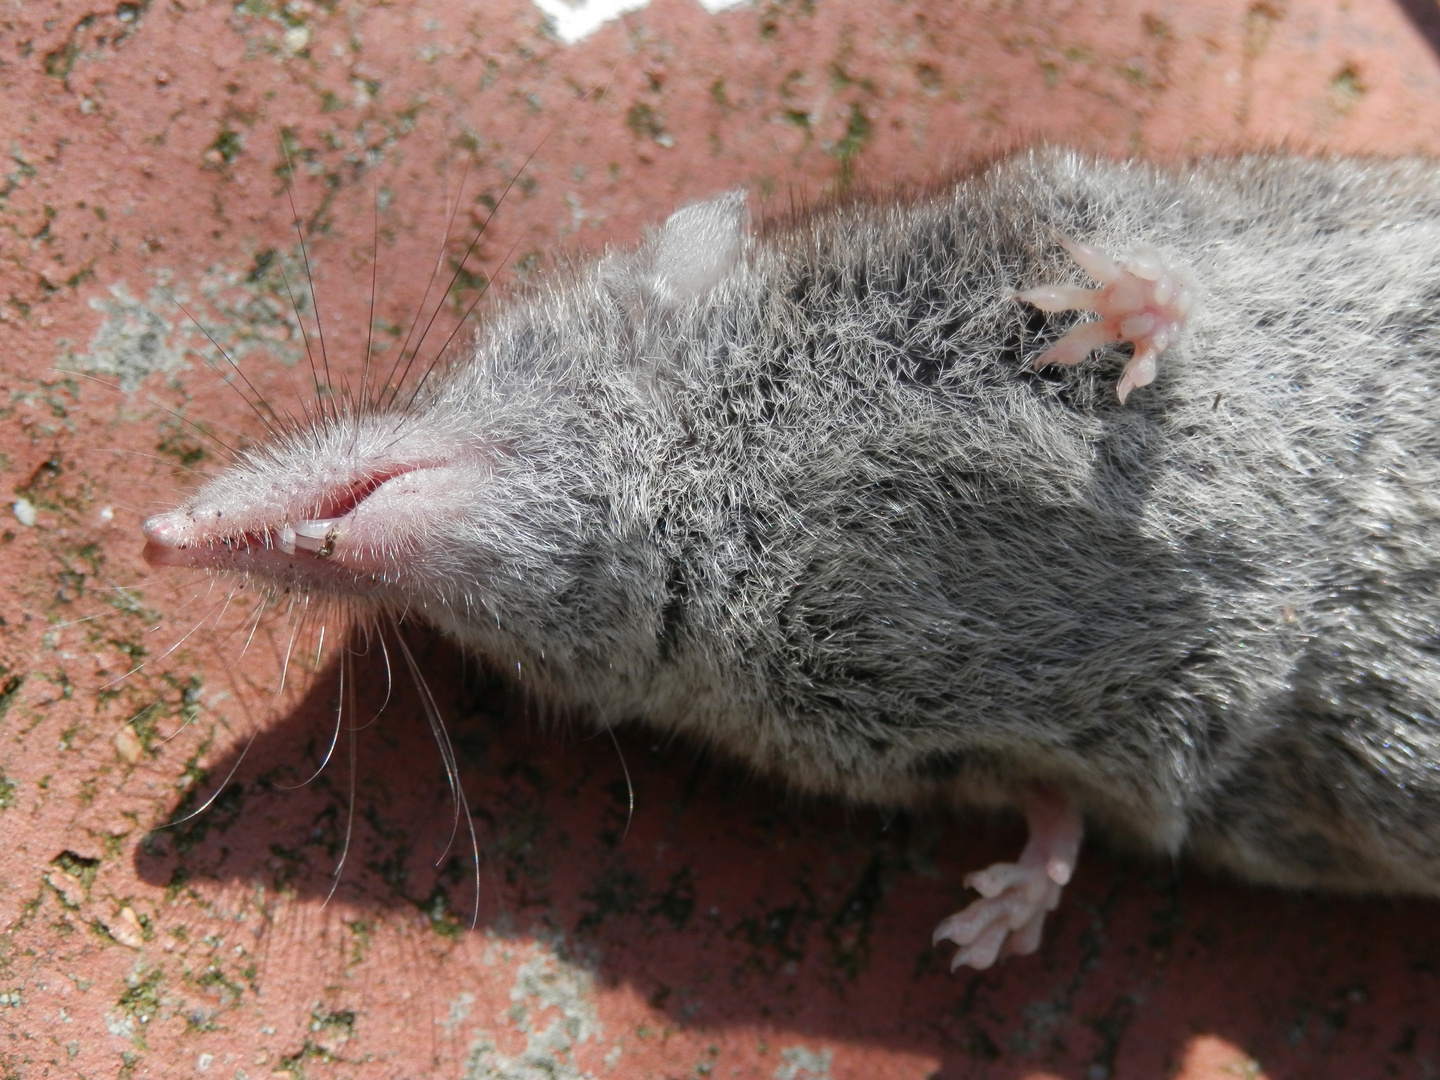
x=168, y=529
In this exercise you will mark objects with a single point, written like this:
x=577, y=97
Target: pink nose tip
x=167, y=529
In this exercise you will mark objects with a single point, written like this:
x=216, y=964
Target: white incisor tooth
x=286, y=536
x=310, y=535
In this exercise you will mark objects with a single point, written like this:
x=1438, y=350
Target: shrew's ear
x=698, y=246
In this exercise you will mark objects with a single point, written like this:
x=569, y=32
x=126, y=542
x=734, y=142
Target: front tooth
x=286, y=536
x=311, y=535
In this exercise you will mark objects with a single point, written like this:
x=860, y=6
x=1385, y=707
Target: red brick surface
x=732, y=931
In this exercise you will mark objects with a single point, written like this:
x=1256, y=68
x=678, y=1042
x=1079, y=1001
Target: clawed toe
x=1007, y=921
x=1143, y=300
x=1009, y=917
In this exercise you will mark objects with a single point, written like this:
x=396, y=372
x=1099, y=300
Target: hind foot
x=1016, y=897
x=1144, y=301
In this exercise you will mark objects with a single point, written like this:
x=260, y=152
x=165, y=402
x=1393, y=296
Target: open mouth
x=318, y=534
x=179, y=538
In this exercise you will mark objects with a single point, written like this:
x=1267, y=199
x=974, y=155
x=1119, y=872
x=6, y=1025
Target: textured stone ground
x=732, y=932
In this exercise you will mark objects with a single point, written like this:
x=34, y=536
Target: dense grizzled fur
x=799, y=496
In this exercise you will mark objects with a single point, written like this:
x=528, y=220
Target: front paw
x=1143, y=300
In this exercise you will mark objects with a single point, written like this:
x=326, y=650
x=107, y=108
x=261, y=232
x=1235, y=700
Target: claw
x=1060, y=298
x=1140, y=371
x=1076, y=344
x=1015, y=897
x=1093, y=261
x=1144, y=302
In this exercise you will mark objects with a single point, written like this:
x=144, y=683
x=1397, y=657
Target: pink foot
x=1017, y=896
x=1145, y=302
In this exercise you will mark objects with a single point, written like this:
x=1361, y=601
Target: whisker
x=310, y=277
x=309, y=353
x=480, y=295
x=218, y=790
x=364, y=398
x=259, y=399
x=452, y=769
x=77, y=622
x=229, y=597
x=161, y=656
x=629, y=787
x=425, y=298
x=369, y=628
x=151, y=400
x=347, y=695
x=254, y=626
x=285, y=668
x=189, y=602
x=460, y=267
x=334, y=735
x=120, y=451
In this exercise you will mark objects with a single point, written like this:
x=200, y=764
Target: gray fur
x=799, y=496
